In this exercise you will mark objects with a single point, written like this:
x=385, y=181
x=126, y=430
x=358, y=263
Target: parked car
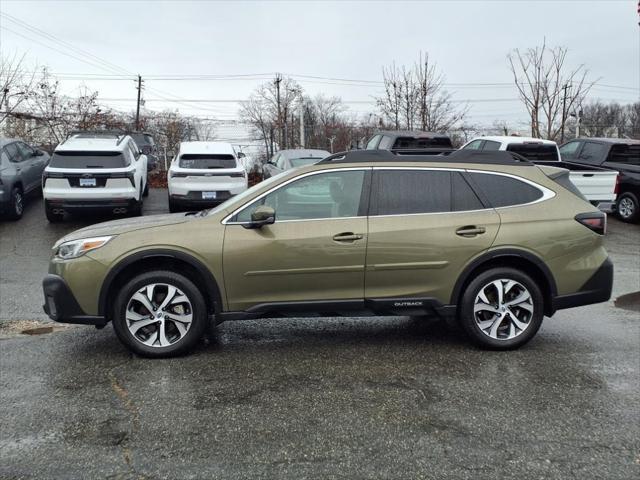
x=619, y=154
x=95, y=171
x=205, y=174
x=21, y=169
x=470, y=235
x=596, y=184
x=288, y=159
x=147, y=145
x=410, y=142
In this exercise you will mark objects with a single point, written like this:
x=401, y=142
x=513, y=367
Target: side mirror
x=38, y=153
x=241, y=155
x=263, y=215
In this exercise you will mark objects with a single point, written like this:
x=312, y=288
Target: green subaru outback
x=485, y=237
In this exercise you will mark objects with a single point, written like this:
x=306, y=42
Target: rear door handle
x=347, y=237
x=470, y=231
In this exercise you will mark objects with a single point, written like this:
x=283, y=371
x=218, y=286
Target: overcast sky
x=469, y=40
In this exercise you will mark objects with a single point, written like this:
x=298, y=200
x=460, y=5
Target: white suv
x=95, y=171
x=205, y=174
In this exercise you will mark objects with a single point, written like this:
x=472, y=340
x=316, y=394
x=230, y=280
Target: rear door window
x=205, y=161
x=503, y=191
x=592, y=153
x=535, y=151
x=491, y=145
x=399, y=192
x=89, y=160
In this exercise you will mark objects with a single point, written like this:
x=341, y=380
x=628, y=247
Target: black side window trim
x=365, y=195
x=477, y=190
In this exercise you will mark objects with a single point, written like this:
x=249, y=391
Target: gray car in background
x=288, y=159
x=21, y=168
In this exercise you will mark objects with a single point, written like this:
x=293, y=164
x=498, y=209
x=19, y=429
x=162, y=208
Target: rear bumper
x=62, y=306
x=195, y=199
x=84, y=205
x=597, y=289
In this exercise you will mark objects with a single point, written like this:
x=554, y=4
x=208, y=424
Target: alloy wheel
x=18, y=203
x=626, y=207
x=159, y=315
x=503, y=309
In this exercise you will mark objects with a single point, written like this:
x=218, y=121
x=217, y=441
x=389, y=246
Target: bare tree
x=16, y=84
x=548, y=89
x=416, y=97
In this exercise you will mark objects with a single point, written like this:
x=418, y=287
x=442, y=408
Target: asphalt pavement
x=393, y=398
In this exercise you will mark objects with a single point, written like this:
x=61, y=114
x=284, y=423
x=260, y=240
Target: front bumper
x=62, y=306
x=597, y=289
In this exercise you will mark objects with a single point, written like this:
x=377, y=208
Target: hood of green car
x=125, y=225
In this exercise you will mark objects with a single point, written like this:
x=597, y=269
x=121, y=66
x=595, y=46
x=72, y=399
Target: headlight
x=77, y=248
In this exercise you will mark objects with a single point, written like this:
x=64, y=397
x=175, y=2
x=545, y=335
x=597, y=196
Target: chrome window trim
x=546, y=193
x=226, y=221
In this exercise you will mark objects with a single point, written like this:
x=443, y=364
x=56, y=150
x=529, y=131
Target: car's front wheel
x=628, y=207
x=501, y=309
x=160, y=314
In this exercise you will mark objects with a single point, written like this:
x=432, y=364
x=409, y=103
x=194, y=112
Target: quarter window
x=412, y=191
x=324, y=195
x=502, y=191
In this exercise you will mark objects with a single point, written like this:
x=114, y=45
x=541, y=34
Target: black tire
x=182, y=345
x=145, y=192
x=628, y=207
x=468, y=320
x=16, y=204
x=51, y=216
x=173, y=206
x=136, y=209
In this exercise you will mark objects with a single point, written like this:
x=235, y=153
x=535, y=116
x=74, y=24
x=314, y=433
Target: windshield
x=301, y=162
x=88, y=160
x=235, y=202
x=207, y=160
x=535, y=151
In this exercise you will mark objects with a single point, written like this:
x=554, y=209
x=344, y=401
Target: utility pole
x=564, y=112
x=301, y=114
x=277, y=82
x=139, y=88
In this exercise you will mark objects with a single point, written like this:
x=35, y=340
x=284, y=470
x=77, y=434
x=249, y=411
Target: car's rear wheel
x=628, y=207
x=501, y=309
x=136, y=209
x=145, y=192
x=16, y=204
x=160, y=314
x=54, y=215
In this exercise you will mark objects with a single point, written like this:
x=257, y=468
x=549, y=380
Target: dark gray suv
x=21, y=168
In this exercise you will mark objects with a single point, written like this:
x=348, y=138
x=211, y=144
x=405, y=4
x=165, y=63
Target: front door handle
x=470, y=231
x=347, y=237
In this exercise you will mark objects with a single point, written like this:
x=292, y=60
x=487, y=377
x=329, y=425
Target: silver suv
x=21, y=168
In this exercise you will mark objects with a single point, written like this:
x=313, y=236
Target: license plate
x=87, y=182
x=208, y=195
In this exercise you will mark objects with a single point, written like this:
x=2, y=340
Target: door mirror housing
x=38, y=153
x=241, y=155
x=261, y=216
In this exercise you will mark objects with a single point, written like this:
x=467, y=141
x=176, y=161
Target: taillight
x=130, y=175
x=596, y=221
x=616, y=190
